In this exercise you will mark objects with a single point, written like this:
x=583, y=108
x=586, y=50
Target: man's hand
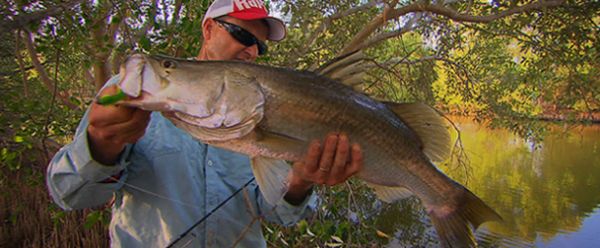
x=112, y=127
x=329, y=164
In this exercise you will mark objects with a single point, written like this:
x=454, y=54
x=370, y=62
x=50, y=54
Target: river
x=548, y=193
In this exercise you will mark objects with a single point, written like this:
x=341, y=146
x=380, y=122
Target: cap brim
x=277, y=29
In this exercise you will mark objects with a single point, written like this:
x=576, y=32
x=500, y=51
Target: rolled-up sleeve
x=75, y=179
x=286, y=214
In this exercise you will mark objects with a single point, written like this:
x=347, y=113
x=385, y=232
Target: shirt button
x=210, y=162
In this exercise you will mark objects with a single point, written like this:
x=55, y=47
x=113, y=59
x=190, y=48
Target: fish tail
x=455, y=226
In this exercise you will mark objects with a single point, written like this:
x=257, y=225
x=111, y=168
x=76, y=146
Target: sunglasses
x=242, y=36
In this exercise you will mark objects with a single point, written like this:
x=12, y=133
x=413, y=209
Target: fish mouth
x=140, y=81
x=139, y=74
x=131, y=75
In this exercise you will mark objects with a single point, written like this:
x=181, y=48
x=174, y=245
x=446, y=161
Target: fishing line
x=208, y=215
x=194, y=206
x=184, y=234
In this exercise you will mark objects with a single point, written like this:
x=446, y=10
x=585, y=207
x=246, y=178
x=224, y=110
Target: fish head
x=159, y=83
x=209, y=94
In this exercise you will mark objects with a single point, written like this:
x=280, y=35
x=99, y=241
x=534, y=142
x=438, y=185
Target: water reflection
x=548, y=193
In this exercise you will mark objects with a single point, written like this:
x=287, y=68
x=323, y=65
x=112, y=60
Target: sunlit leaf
x=381, y=234
x=337, y=239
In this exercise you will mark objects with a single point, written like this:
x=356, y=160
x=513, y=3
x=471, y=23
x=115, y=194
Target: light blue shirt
x=168, y=182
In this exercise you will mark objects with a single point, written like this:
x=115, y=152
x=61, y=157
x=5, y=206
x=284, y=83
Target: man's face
x=220, y=45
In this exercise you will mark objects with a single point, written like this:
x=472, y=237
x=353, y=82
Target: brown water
x=548, y=193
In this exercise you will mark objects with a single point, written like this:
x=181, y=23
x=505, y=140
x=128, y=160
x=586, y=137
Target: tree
x=508, y=61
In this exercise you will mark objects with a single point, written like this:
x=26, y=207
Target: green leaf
x=145, y=43
x=92, y=218
x=337, y=239
x=116, y=19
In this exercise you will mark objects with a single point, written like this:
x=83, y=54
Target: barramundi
x=272, y=114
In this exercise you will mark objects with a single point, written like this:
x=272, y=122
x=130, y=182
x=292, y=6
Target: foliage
x=345, y=217
x=539, y=65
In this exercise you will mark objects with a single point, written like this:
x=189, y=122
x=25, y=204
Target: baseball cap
x=247, y=10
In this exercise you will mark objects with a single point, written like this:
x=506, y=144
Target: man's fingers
x=100, y=133
x=124, y=131
x=342, y=154
x=135, y=128
x=137, y=120
x=311, y=161
x=102, y=115
x=333, y=162
x=108, y=115
x=108, y=91
x=328, y=153
x=355, y=162
x=132, y=137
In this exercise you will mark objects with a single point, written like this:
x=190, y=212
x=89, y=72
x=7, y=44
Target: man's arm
x=75, y=180
x=79, y=174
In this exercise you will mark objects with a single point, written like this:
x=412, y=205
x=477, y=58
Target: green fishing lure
x=111, y=99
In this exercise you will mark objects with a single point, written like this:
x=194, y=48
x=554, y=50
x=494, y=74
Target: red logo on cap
x=240, y=5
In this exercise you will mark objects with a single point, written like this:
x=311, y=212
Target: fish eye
x=168, y=64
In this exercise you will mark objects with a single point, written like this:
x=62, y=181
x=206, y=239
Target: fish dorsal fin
x=390, y=194
x=271, y=176
x=348, y=69
x=429, y=125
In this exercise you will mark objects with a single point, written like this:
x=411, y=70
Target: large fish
x=271, y=114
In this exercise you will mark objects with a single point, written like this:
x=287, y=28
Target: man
x=163, y=180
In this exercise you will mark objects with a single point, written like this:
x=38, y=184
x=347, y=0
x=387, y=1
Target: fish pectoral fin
x=271, y=176
x=278, y=142
x=390, y=194
x=430, y=126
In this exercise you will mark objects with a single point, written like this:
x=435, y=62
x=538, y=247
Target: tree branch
x=455, y=15
x=171, y=27
x=387, y=35
x=21, y=64
x=310, y=41
x=103, y=35
x=149, y=21
x=22, y=20
x=165, y=12
x=49, y=83
x=405, y=61
x=389, y=14
x=177, y=12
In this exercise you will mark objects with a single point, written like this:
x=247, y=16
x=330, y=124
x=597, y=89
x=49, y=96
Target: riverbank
x=566, y=116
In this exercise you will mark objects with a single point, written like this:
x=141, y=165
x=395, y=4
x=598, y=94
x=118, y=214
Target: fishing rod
x=184, y=234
